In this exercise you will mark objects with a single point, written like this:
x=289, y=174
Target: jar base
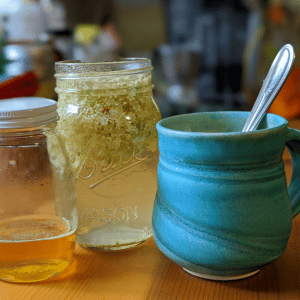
x=33, y=271
x=111, y=248
x=103, y=239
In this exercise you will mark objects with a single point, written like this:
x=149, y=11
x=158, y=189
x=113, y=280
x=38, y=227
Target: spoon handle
x=272, y=84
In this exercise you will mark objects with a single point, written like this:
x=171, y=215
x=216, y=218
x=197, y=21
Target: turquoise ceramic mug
x=223, y=209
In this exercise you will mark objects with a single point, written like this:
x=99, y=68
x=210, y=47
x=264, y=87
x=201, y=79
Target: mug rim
x=161, y=128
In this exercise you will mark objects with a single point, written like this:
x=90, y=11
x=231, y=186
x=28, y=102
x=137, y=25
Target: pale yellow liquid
x=34, y=248
x=115, y=211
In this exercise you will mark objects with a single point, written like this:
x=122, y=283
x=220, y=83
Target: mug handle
x=293, y=144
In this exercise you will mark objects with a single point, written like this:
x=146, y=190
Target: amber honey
x=35, y=248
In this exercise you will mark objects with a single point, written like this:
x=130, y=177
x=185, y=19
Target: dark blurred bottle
x=182, y=15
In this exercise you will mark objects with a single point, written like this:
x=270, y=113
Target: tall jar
x=107, y=122
x=38, y=216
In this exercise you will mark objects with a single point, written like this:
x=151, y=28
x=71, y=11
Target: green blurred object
x=3, y=60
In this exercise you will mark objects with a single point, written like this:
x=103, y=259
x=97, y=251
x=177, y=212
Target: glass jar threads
x=107, y=121
x=38, y=216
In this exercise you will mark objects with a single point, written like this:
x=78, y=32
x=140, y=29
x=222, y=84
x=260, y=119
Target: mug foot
x=204, y=272
x=222, y=278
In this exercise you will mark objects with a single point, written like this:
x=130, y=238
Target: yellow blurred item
x=86, y=33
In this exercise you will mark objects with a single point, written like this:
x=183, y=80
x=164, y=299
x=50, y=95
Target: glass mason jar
x=38, y=216
x=107, y=121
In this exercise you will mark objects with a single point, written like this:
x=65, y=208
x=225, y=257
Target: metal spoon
x=278, y=73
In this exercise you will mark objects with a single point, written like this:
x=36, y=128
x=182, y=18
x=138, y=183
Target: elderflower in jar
x=107, y=122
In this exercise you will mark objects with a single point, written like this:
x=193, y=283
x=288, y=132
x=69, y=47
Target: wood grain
x=145, y=273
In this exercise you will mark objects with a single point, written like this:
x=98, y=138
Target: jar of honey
x=107, y=121
x=38, y=214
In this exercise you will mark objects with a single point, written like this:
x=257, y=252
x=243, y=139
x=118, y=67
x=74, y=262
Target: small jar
x=107, y=121
x=38, y=216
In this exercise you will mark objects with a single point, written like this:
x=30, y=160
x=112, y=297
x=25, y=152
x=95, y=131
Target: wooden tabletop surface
x=145, y=273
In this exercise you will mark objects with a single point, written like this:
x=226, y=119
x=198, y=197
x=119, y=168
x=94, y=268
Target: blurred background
x=207, y=55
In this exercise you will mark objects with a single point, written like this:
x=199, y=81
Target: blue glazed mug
x=223, y=209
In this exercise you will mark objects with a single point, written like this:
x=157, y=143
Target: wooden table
x=145, y=273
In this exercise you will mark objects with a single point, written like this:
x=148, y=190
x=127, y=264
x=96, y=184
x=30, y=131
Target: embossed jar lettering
x=109, y=215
